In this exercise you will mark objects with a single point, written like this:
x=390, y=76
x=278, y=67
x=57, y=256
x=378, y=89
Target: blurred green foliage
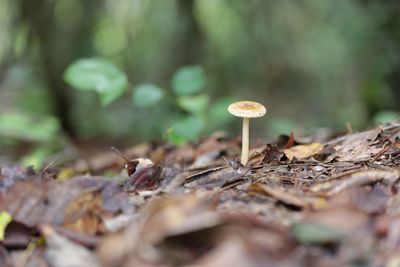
x=147, y=95
x=98, y=75
x=188, y=80
x=385, y=116
x=110, y=83
x=41, y=131
x=24, y=127
x=313, y=63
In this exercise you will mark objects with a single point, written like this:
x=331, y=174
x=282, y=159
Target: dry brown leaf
x=303, y=151
x=62, y=252
x=356, y=147
x=83, y=213
x=337, y=184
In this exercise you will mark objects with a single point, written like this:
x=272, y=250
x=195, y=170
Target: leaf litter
x=309, y=203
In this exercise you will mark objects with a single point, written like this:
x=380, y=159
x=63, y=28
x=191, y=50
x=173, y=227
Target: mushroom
x=246, y=110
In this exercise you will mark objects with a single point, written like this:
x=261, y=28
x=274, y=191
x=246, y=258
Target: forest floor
x=331, y=203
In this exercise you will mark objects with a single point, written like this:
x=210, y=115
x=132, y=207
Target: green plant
x=98, y=75
x=39, y=131
x=191, y=107
x=385, y=116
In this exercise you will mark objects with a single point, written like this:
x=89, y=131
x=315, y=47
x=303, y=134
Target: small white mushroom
x=246, y=110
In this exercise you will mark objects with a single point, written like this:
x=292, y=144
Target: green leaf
x=98, y=75
x=186, y=129
x=147, y=95
x=174, y=138
x=280, y=125
x=5, y=219
x=385, y=116
x=219, y=111
x=218, y=115
x=37, y=156
x=195, y=104
x=188, y=80
x=313, y=233
x=29, y=128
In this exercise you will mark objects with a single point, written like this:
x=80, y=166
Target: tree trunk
x=58, y=48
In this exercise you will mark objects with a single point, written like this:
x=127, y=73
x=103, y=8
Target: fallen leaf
x=11, y=175
x=303, y=151
x=218, y=176
x=357, y=178
x=357, y=146
x=83, y=213
x=17, y=236
x=61, y=252
x=273, y=154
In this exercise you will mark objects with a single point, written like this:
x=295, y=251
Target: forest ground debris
x=308, y=204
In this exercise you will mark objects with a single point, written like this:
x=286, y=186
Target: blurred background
x=313, y=63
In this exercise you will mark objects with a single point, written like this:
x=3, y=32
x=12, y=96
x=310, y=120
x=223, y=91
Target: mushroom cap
x=247, y=109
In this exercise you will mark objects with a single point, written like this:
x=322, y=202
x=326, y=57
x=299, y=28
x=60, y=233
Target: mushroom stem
x=245, y=141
